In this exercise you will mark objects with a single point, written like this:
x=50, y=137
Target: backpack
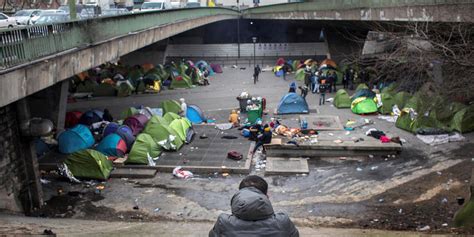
x=234, y=155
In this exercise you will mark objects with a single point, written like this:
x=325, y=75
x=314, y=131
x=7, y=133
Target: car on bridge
x=155, y=5
x=51, y=18
x=36, y=16
x=114, y=12
x=23, y=16
x=6, y=21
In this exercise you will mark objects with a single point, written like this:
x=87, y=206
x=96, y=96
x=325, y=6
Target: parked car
x=52, y=18
x=33, y=19
x=6, y=21
x=153, y=6
x=114, y=12
x=23, y=16
x=193, y=4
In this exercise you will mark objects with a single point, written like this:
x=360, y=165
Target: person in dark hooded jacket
x=252, y=214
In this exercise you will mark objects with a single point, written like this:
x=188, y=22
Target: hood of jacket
x=251, y=204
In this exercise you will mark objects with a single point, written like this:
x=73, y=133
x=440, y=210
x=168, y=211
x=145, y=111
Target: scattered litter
x=371, y=156
x=224, y=126
x=359, y=169
x=444, y=225
x=400, y=211
x=329, y=99
x=403, y=140
x=439, y=173
x=234, y=66
x=310, y=211
x=338, y=141
x=45, y=181
x=391, y=119
x=381, y=200
x=180, y=173
x=342, y=158
x=157, y=209
x=425, y=228
x=376, y=220
x=225, y=174
x=331, y=134
x=203, y=136
x=434, y=140
x=348, y=133
x=374, y=167
x=149, y=191
x=444, y=200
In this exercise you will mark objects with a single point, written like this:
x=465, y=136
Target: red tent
x=136, y=122
x=280, y=61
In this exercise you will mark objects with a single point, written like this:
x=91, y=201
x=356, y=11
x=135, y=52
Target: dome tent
x=112, y=145
x=75, y=139
x=144, y=145
x=89, y=164
x=292, y=103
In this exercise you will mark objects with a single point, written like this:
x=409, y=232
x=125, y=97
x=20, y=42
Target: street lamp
x=254, y=40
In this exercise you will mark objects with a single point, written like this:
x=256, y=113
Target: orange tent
x=328, y=62
x=147, y=67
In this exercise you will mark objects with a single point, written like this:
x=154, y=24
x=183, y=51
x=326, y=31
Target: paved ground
x=406, y=192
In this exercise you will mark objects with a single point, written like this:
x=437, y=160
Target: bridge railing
x=321, y=5
x=27, y=44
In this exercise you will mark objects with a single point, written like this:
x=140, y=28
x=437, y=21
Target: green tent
x=422, y=121
x=124, y=90
x=129, y=112
x=164, y=136
x=158, y=120
x=105, y=89
x=465, y=216
x=295, y=65
x=182, y=68
x=362, y=86
x=164, y=74
x=89, y=164
x=170, y=116
x=181, y=126
x=390, y=88
x=404, y=121
x=299, y=75
x=387, y=103
x=181, y=81
x=85, y=86
x=363, y=105
x=401, y=98
x=135, y=74
x=170, y=106
x=342, y=99
x=144, y=145
x=445, y=111
x=463, y=120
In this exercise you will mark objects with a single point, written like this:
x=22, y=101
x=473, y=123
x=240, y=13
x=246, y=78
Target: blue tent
x=203, y=64
x=279, y=73
x=112, y=145
x=126, y=133
x=292, y=103
x=91, y=116
x=75, y=139
x=194, y=114
x=109, y=129
x=363, y=93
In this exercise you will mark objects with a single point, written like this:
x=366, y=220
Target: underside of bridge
x=39, y=89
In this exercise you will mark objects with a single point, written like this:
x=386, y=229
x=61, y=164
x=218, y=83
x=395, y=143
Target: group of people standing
x=322, y=83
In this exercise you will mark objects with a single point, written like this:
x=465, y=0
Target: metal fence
x=321, y=5
x=22, y=45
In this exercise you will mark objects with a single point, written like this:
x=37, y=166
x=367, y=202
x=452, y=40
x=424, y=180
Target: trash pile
x=122, y=80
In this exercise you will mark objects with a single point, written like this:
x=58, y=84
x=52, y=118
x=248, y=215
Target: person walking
x=284, y=68
x=304, y=91
x=316, y=82
x=333, y=80
x=256, y=72
x=323, y=86
x=252, y=214
x=184, y=107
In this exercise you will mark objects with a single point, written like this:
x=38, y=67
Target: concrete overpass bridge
x=39, y=57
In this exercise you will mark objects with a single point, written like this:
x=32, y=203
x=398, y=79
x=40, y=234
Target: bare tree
x=438, y=56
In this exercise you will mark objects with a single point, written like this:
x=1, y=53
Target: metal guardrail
x=22, y=45
x=321, y=5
